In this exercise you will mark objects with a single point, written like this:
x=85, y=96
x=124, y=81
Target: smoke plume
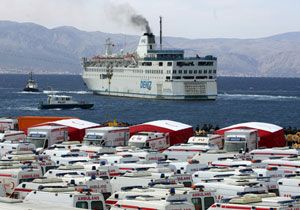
x=140, y=21
x=125, y=14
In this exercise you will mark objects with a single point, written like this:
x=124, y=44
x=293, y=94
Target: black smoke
x=124, y=14
x=140, y=21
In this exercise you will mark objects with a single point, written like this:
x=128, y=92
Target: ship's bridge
x=165, y=54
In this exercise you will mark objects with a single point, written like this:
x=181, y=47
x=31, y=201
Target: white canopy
x=256, y=125
x=75, y=123
x=168, y=124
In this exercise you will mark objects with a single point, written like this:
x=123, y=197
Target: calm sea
x=272, y=100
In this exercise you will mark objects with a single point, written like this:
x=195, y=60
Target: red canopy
x=178, y=132
x=270, y=135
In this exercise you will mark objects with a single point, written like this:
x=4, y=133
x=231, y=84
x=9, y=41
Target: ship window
x=200, y=71
x=180, y=71
x=185, y=71
x=176, y=77
x=169, y=63
x=203, y=63
x=215, y=71
x=160, y=63
x=182, y=63
x=190, y=71
x=205, y=71
x=210, y=71
x=210, y=77
x=167, y=78
x=147, y=64
x=201, y=77
x=188, y=77
x=195, y=71
x=174, y=71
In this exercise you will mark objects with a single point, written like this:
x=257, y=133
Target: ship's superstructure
x=31, y=85
x=151, y=73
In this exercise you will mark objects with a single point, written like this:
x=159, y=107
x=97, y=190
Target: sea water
x=272, y=100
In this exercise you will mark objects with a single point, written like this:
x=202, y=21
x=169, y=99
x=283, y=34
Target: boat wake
x=26, y=92
x=225, y=96
x=24, y=108
x=80, y=92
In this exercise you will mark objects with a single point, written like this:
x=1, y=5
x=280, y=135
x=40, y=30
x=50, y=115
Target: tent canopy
x=270, y=135
x=168, y=124
x=76, y=127
x=256, y=125
x=178, y=132
x=76, y=123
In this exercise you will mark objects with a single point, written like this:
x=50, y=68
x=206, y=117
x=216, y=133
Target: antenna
x=160, y=32
x=108, y=47
x=125, y=42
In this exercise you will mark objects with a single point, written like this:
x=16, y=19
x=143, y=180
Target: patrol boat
x=151, y=72
x=63, y=102
x=31, y=85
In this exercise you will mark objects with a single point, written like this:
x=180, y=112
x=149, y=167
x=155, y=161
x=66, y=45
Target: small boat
x=31, y=85
x=63, y=102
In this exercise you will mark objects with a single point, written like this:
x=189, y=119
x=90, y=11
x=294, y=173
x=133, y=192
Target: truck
x=47, y=135
x=106, y=136
x=66, y=197
x=8, y=124
x=171, y=202
x=11, y=177
x=145, y=155
x=152, y=140
x=261, y=202
x=97, y=185
x=11, y=146
x=231, y=187
x=289, y=186
x=268, y=153
x=12, y=135
x=23, y=189
x=195, y=145
x=237, y=143
x=17, y=204
x=240, y=139
x=209, y=139
x=201, y=198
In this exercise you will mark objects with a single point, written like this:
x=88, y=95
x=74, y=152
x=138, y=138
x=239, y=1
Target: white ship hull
x=152, y=88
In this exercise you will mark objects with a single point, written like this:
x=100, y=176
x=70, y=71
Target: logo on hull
x=145, y=84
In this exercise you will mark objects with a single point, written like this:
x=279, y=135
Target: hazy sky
x=185, y=18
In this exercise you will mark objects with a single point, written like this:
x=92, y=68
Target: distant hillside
x=27, y=46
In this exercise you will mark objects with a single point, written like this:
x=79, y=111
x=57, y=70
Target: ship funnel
x=146, y=43
x=108, y=47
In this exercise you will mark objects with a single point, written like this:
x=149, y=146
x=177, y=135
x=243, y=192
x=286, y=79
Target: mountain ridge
x=28, y=47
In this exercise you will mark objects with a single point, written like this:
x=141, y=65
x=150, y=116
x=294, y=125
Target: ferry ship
x=151, y=72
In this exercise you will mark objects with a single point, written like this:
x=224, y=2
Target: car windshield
x=38, y=142
x=235, y=146
x=88, y=142
x=137, y=144
x=92, y=136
